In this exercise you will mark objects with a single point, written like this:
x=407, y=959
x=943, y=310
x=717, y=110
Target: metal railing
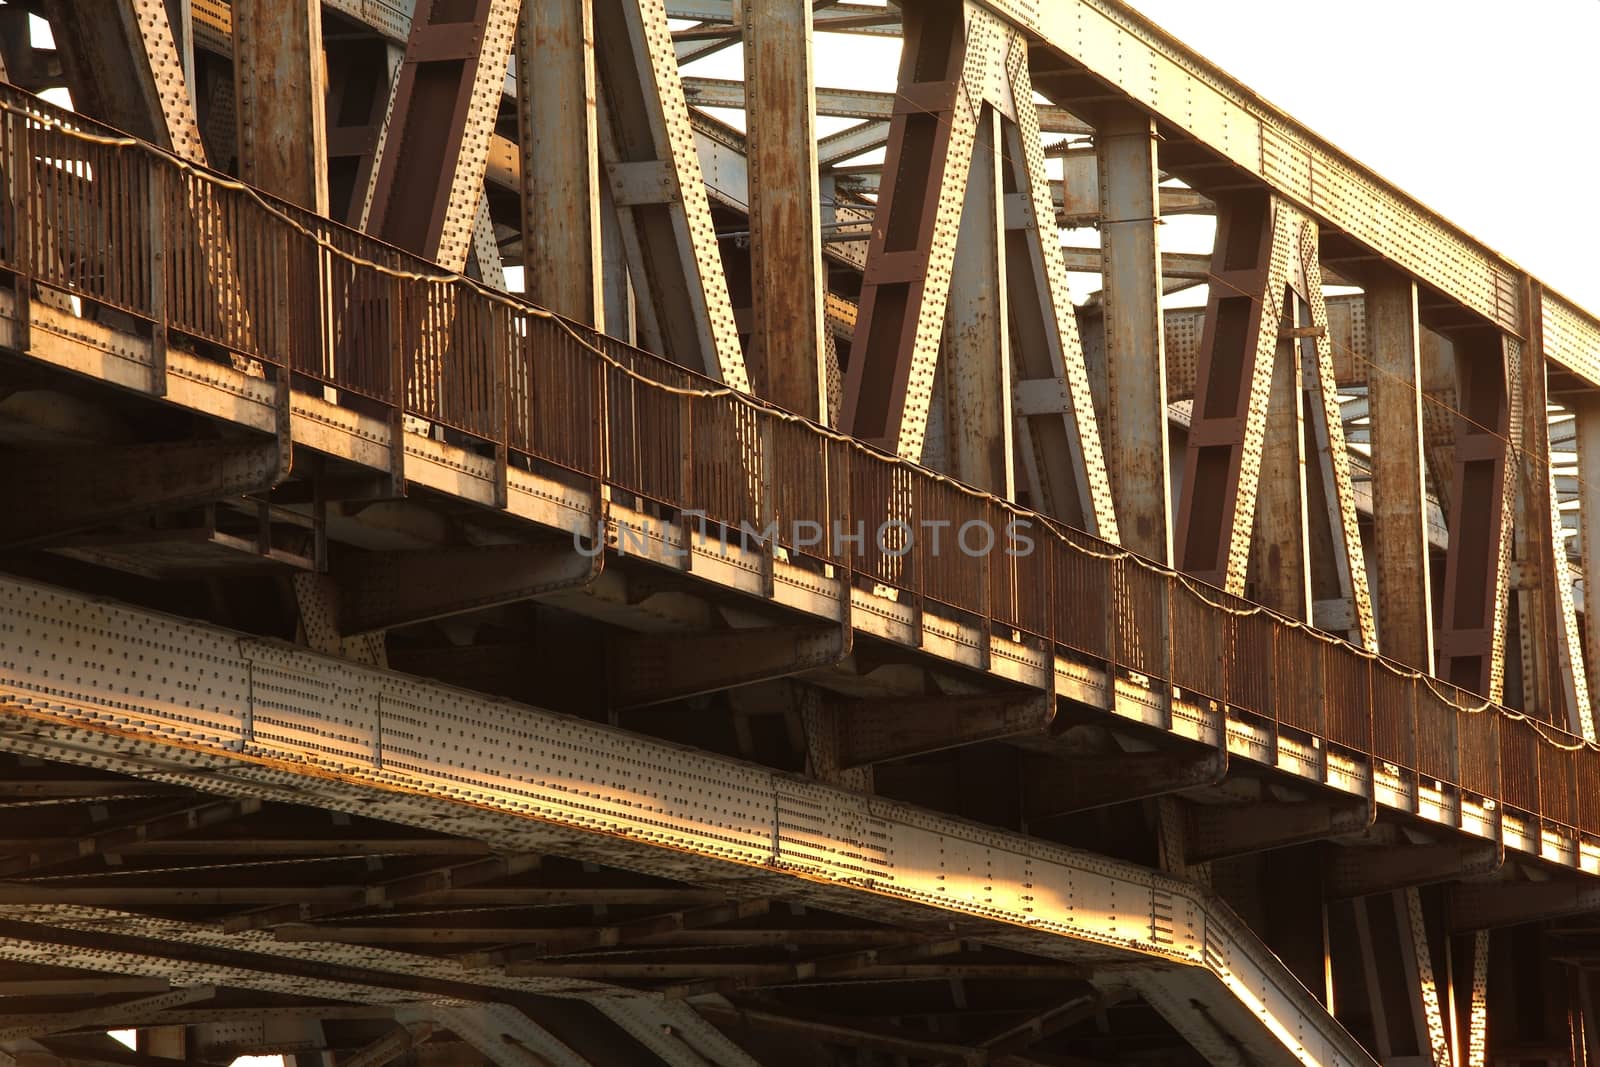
x=90, y=212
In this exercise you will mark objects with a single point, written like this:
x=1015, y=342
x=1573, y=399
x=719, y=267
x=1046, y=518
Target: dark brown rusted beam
x=653, y=668
x=1061, y=786
x=871, y=731
x=1362, y=871
x=1216, y=831
x=379, y=590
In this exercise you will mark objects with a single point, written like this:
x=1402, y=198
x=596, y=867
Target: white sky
x=1485, y=110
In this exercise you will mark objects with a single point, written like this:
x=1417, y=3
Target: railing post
x=686, y=476
x=500, y=339
x=1168, y=681
x=397, y=385
x=986, y=634
x=157, y=192
x=766, y=507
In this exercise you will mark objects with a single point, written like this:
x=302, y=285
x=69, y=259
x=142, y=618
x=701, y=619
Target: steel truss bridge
x=398, y=669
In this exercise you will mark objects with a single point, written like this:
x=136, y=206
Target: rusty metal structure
x=784, y=628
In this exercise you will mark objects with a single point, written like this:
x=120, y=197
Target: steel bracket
x=380, y=590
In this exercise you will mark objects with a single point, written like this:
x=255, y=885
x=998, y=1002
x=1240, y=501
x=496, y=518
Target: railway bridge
x=536, y=534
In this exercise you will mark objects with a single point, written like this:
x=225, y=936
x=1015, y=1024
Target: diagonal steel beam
x=1341, y=536
x=1059, y=440
x=126, y=68
x=446, y=102
x=947, y=63
x=647, y=145
x=1256, y=241
x=1471, y=639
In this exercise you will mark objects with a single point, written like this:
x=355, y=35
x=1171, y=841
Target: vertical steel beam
x=1399, y=498
x=1058, y=435
x=280, y=90
x=977, y=370
x=126, y=68
x=1472, y=629
x=1257, y=237
x=787, y=349
x=1136, y=364
x=647, y=145
x=559, y=141
x=446, y=102
x=906, y=282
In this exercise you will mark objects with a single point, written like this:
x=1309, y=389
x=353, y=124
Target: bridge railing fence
x=90, y=213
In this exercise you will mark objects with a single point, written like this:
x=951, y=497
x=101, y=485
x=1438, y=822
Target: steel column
x=1399, y=492
x=1136, y=365
x=280, y=92
x=559, y=142
x=786, y=276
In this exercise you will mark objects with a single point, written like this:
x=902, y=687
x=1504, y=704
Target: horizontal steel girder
x=523, y=780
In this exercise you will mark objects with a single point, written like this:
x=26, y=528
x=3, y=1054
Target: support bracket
x=68, y=491
x=1217, y=831
x=1060, y=787
x=654, y=668
x=1360, y=872
x=379, y=590
x=871, y=731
